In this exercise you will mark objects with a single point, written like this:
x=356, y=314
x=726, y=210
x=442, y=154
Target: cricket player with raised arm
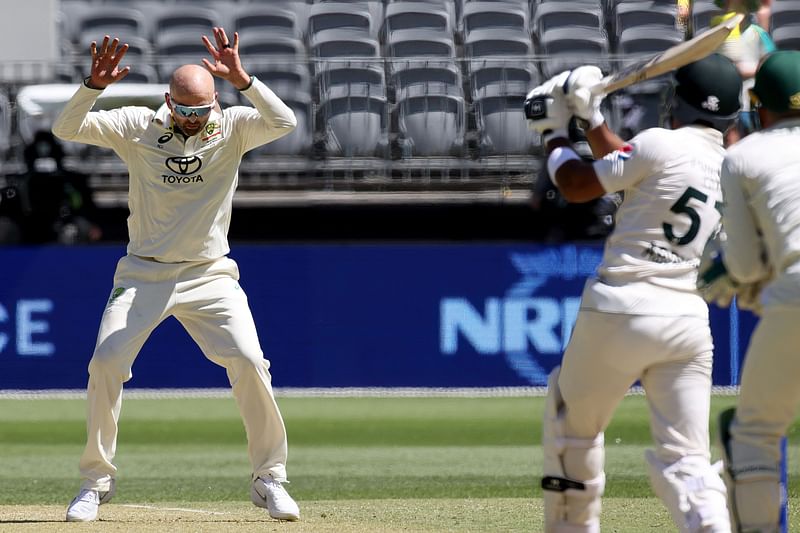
x=183, y=163
x=641, y=317
x=761, y=220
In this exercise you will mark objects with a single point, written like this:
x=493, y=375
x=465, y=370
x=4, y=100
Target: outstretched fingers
x=106, y=59
x=104, y=46
x=222, y=38
x=210, y=47
x=119, y=54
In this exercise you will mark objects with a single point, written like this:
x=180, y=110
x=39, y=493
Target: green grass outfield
x=356, y=464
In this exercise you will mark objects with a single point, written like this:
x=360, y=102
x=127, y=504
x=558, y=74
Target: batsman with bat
x=183, y=162
x=761, y=220
x=641, y=316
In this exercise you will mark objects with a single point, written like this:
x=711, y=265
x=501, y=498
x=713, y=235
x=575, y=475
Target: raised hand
x=546, y=108
x=105, y=63
x=582, y=102
x=227, y=64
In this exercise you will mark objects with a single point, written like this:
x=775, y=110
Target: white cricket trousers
x=770, y=390
x=672, y=356
x=207, y=300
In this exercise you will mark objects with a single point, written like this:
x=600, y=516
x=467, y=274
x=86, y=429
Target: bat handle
x=599, y=88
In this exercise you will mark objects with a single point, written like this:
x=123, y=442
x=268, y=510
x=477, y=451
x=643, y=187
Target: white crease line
x=153, y=507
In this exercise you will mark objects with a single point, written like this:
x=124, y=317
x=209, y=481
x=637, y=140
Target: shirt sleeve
x=109, y=129
x=625, y=168
x=743, y=248
x=270, y=120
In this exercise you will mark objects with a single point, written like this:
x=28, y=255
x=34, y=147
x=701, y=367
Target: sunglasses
x=187, y=111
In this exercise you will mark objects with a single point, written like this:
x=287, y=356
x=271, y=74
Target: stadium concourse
x=411, y=103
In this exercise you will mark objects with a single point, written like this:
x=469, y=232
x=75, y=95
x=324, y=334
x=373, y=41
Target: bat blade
x=675, y=57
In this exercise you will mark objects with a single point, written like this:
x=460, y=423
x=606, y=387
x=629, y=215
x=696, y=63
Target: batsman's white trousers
x=207, y=300
x=769, y=393
x=672, y=356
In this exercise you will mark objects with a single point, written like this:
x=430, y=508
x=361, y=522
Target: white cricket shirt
x=180, y=190
x=761, y=187
x=670, y=180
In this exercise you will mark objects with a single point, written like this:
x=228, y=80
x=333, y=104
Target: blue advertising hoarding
x=461, y=315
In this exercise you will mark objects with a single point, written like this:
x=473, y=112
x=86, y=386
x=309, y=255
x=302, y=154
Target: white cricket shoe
x=271, y=495
x=84, y=507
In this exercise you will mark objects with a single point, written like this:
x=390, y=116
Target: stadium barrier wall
x=416, y=315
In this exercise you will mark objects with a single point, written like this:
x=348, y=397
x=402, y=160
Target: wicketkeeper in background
x=641, y=317
x=183, y=161
x=761, y=219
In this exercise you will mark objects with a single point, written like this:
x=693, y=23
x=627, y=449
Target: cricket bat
x=673, y=58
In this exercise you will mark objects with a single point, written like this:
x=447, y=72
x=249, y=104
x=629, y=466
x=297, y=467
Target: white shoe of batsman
x=84, y=507
x=270, y=494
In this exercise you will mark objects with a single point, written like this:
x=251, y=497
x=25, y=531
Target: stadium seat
x=631, y=14
x=422, y=43
x=92, y=24
x=285, y=79
x=484, y=15
x=493, y=72
x=170, y=19
x=67, y=72
x=141, y=73
x=453, y=8
x=420, y=48
x=291, y=81
x=646, y=40
x=503, y=128
x=260, y=46
x=406, y=75
x=784, y=13
x=490, y=42
x=552, y=15
x=641, y=42
x=336, y=47
x=363, y=17
x=267, y=19
x=653, y=2
x=431, y=120
x=174, y=49
x=350, y=73
x=417, y=15
x=354, y=121
x=565, y=48
x=299, y=141
x=787, y=37
x=702, y=13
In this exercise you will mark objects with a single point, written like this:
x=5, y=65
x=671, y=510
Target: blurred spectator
x=10, y=216
x=49, y=202
x=763, y=14
x=563, y=221
x=682, y=17
x=745, y=47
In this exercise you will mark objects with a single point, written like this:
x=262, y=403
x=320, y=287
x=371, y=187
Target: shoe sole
x=288, y=517
x=74, y=519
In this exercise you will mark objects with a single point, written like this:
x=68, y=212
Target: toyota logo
x=184, y=165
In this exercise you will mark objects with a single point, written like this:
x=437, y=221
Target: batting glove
x=580, y=99
x=715, y=285
x=546, y=108
x=713, y=281
x=748, y=296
